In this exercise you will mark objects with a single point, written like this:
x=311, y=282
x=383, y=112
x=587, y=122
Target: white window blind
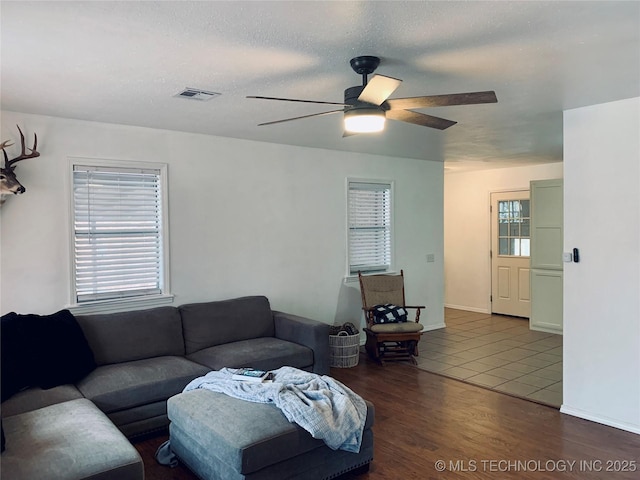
x=118, y=240
x=369, y=214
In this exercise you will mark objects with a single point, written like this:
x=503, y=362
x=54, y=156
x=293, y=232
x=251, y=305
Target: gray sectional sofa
x=144, y=357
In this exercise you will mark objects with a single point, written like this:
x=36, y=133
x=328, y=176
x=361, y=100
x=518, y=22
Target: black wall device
x=576, y=255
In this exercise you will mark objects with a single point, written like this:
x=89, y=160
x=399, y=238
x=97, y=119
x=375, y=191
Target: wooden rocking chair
x=388, y=341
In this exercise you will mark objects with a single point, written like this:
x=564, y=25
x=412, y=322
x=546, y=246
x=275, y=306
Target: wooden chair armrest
x=418, y=308
x=368, y=316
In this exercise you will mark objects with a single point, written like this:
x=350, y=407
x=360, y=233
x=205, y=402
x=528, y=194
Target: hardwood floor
x=423, y=418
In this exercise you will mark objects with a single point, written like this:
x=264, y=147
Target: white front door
x=510, y=244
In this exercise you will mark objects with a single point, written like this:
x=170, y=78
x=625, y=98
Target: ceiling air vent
x=196, y=94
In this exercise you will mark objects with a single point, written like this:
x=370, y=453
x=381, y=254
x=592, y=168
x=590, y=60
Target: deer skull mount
x=9, y=184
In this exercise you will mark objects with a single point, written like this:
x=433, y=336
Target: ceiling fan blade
x=298, y=118
x=419, y=119
x=443, y=100
x=296, y=100
x=379, y=89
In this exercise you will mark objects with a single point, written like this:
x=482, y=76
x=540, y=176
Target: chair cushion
x=389, y=313
x=130, y=384
x=404, y=327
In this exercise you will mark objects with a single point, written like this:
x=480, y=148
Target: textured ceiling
x=123, y=62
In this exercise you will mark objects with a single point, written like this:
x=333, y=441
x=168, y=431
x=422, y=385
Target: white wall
x=467, y=229
x=602, y=292
x=245, y=218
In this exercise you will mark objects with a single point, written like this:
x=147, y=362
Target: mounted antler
x=9, y=184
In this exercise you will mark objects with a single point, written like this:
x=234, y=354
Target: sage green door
x=546, y=255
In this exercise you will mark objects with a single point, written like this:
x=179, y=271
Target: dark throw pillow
x=17, y=362
x=63, y=350
x=389, y=313
x=43, y=351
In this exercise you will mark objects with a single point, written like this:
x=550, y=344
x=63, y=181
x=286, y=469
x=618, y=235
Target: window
x=513, y=228
x=119, y=235
x=370, y=226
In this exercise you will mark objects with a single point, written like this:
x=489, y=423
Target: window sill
x=120, y=305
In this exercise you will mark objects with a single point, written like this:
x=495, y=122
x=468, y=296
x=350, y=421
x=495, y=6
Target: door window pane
x=504, y=246
x=515, y=246
x=513, y=227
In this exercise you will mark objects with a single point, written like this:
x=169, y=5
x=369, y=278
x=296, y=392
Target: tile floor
x=496, y=352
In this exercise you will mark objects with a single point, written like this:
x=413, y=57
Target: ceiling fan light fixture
x=367, y=106
x=364, y=120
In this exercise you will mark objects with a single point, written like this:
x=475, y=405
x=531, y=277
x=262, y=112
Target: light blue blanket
x=324, y=407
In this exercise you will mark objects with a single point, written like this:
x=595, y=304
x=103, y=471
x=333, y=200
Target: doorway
x=510, y=253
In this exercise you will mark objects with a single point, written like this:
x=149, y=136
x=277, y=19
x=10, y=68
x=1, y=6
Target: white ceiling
x=122, y=62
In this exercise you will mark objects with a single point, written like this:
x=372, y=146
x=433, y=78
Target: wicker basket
x=344, y=350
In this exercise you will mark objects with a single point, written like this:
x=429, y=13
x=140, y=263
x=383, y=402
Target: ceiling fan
x=367, y=106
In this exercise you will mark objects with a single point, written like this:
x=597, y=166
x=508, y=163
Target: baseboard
x=576, y=412
x=428, y=328
x=545, y=329
x=468, y=309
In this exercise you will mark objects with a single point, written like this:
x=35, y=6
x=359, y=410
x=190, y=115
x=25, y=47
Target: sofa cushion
x=131, y=384
x=225, y=321
x=35, y=398
x=68, y=441
x=266, y=353
x=128, y=336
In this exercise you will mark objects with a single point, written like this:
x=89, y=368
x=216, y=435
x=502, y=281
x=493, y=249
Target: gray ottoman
x=221, y=437
x=72, y=440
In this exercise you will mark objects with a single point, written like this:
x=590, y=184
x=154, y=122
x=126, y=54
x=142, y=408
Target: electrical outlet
x=431, y=257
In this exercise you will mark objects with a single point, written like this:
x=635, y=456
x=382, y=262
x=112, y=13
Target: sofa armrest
x=307, y=332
